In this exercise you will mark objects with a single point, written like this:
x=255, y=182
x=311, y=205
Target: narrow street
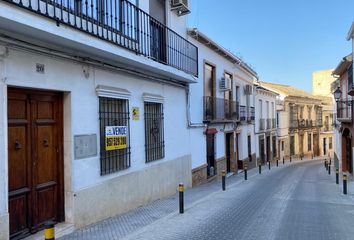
x=298, y=201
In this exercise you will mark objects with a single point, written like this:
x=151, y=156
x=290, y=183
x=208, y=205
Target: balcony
x=274, y=123
x=319, y=122
x=243, y=113
x=327, y=127
x=344, y=111
x=269, y=123
x=220, y=109
x=301, y=123
x=122, y=24
x=261, y=124
x=251, y=114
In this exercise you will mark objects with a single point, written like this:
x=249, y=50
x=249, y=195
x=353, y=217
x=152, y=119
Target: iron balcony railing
x=301, y=123
x=269, y=123
x=243, y=113
x=247, y=113
x=220, y=109
x=121, y=23
x=319, y=122
x=344, y=110
x=251, y=114
x=261, y=124
x=327, y=127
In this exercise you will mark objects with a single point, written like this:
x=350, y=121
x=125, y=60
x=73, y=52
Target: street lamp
x=337, y=94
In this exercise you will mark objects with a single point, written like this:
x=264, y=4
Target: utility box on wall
x=85, y=146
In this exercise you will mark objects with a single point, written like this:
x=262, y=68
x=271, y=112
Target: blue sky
x=283, y=40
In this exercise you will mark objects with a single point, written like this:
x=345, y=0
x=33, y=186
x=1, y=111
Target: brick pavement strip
x=296, y=201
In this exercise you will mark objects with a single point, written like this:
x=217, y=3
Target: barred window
x=154, y=131
x=114, y=135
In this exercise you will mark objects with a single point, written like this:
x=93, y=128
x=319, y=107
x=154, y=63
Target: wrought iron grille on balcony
x=344, y=110
x=251, y=114
x=301, y=123
x=274, y=123
x=261, y=124
x=327, y=127
x=220, y=109
x=122, y=23
x=243, y=113
x=269, y=123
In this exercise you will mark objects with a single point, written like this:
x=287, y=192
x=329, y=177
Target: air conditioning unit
x=225, y=84
x=248, y=89
x=180, y=6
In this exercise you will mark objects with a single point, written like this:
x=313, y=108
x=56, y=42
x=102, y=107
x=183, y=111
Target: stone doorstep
x=61, y=229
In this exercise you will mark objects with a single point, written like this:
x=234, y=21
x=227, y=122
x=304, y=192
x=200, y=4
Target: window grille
x=154, y=131
x=330, y=143
x=115, y=153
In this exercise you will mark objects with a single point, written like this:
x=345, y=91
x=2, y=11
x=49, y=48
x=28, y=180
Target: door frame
x=60, y=139
x=210, y=137
x=229, y=141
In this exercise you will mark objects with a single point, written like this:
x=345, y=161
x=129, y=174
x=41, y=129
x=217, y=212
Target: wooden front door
x=210, y=145
x=35, y=160
x=316, y=146
x=229, y=149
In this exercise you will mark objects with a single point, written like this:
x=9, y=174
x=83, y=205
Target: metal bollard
x=269, y=165
x=301, y=157
x=223, y=175
x=260, y=169
x=345, y=179
x=330, y=161
x=326, y=165
x=329, y=169
x=283, y=161
x=49, y=232
x=245, y=171
x=277, y=163
x=181, y=197
x=290, y=158
x=337, y=176
x=312, y=156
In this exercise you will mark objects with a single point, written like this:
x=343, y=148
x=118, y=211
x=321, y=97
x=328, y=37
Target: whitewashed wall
x=196, y=106
x=81, y=117
x=265, y=113
x=69, y=77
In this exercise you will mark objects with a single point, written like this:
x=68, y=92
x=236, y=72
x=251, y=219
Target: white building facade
x=222, y=112
x=86, y=102
x=265, y=125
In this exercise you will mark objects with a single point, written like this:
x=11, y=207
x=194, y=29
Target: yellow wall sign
x=136, y=113
x=116, y=137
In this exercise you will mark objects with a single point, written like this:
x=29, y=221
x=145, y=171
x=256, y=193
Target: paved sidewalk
x=135, y=220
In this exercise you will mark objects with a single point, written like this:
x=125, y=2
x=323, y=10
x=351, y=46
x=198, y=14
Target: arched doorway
x=347, y=162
